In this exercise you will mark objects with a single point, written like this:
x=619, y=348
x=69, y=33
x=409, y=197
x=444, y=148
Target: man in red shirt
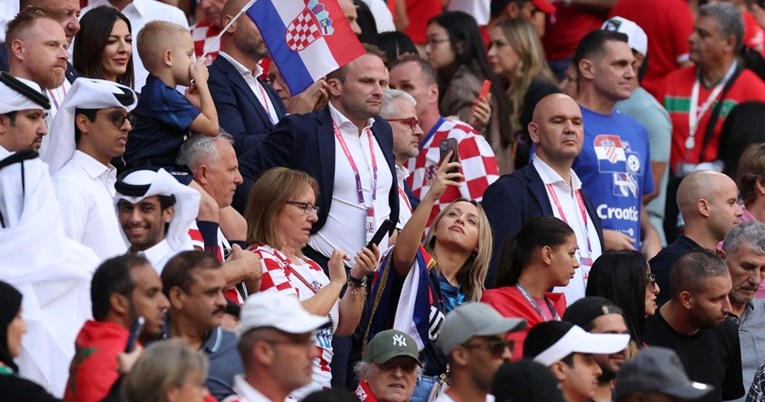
x=699, y=98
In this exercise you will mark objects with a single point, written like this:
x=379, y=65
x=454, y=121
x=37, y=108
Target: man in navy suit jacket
x=513, y=200
x=248, y=108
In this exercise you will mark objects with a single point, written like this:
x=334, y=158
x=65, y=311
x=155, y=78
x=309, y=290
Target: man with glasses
x=598, y=315
x=90, y=130
x=398, y=108
x=277, y=345
x=708, y=203
x=744, y=253
x=474, y=339
x=389, y=368
x=479, y=164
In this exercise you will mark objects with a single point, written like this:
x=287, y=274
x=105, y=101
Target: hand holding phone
x=135, y=332
x=449, y=144
x=485, y=87
x=386, y=228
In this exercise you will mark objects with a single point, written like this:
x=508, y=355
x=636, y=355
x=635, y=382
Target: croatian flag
x=307, y=39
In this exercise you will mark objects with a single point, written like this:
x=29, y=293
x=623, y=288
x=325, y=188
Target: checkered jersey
x=302, y=31
x=204, y=40
x=479, y=164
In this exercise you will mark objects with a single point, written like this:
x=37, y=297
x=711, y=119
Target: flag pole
x=223, y=31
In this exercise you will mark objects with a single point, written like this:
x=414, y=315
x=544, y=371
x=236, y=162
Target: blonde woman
x=516, y=55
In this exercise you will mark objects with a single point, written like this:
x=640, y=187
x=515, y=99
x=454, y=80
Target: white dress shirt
x=246, y=393
x=345, y=225
x=586, y=235
x=251, y=78
x=85, y=188
x=404, y=207
x=158, y=255
x=139, y=13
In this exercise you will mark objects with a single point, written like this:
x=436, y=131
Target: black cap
x=526, y=381
x=586, y=309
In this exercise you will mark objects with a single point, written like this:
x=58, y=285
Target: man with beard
x=694, y=324
x=744, y=253
x=474, y=338
x=248, y=108
x=155, y=212
x=194, y=284
x=598, y=315
x=90, y=130
x=123, y=289
x=708, y=203
x=22, y=113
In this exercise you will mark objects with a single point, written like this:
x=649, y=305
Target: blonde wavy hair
x=472, y=275
x=524, y=40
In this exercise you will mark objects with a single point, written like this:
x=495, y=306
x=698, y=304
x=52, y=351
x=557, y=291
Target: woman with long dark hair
x=541, y=256
x=103, y=46
x=625, y=278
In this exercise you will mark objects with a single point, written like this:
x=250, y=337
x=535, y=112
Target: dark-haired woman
x=541, y=256
x=12, y=326
x=455, y=49
x=103, y=46
x=625, y=278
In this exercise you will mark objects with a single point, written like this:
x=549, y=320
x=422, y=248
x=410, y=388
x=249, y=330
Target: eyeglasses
x=307, y=206
x=118, y=118
x=406, y=364
x=650, y=281
x=411, y=121
x=495, y=347
x=433, y=42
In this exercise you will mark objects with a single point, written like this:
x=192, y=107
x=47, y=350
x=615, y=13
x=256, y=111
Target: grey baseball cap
x=474, y=319
x=389, y=344
x=656, y=369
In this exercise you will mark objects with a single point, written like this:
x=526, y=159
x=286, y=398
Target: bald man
x=708, y=202
x=548, y=186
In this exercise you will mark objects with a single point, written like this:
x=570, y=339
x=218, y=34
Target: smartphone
x=487, y=86
x=385, y=229
x=135, y=332
x=449, y=144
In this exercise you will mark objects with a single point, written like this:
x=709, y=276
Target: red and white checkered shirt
x=279, y=274
x=479, y=165
x=204, y=40
x=224, y=249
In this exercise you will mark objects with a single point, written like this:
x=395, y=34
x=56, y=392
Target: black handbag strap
x=716, y=112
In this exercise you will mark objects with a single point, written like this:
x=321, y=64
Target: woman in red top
x=541, y=256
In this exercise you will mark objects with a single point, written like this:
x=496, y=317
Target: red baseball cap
x=544, y=6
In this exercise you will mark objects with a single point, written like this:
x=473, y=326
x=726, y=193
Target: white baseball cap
x=636, y=36
x=577, y=340
x=277, y=310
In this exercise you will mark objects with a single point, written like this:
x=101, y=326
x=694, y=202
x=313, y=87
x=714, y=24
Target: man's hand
x=616, y=240
x=313, y=98
x=247, y=261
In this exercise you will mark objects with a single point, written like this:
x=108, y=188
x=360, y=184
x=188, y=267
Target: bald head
x=232, y=7
x=557, y=130
x=709, y=199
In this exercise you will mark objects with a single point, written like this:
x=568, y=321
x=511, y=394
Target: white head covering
x=52, y=271
x=20, y=94
x=86, y=93
x=135, y=185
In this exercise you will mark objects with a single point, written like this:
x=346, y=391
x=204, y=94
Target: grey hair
x=729, y=20
x=751, y=233
x=363, y=369
x=199, y=149
x=388, y=109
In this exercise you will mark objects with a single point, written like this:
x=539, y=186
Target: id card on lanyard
x=585, y=257
x=696, y=113
x=369, y=220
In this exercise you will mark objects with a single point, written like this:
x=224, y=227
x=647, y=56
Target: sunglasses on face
x=411, y=121
x=118, y=118
x=496, y=347
x=406, y=364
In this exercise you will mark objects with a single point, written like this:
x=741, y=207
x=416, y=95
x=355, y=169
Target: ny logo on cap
x=399, y=340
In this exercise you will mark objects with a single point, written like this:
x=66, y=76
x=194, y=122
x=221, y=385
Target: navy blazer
x=239, y=111
x=515, y=199
x=307, y=142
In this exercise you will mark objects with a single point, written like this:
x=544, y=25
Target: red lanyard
x=405, y=198
x=348, y=155
x=582, y=211
x=288, y=269
x=265, y=99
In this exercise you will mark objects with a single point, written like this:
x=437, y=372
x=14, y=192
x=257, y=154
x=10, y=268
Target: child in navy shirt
x=165, y=116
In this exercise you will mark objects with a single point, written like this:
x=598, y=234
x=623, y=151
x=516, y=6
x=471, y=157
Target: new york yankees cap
x=389, y=344
x=474, y=319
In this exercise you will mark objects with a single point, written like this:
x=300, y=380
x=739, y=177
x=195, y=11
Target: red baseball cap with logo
x=544, y=6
